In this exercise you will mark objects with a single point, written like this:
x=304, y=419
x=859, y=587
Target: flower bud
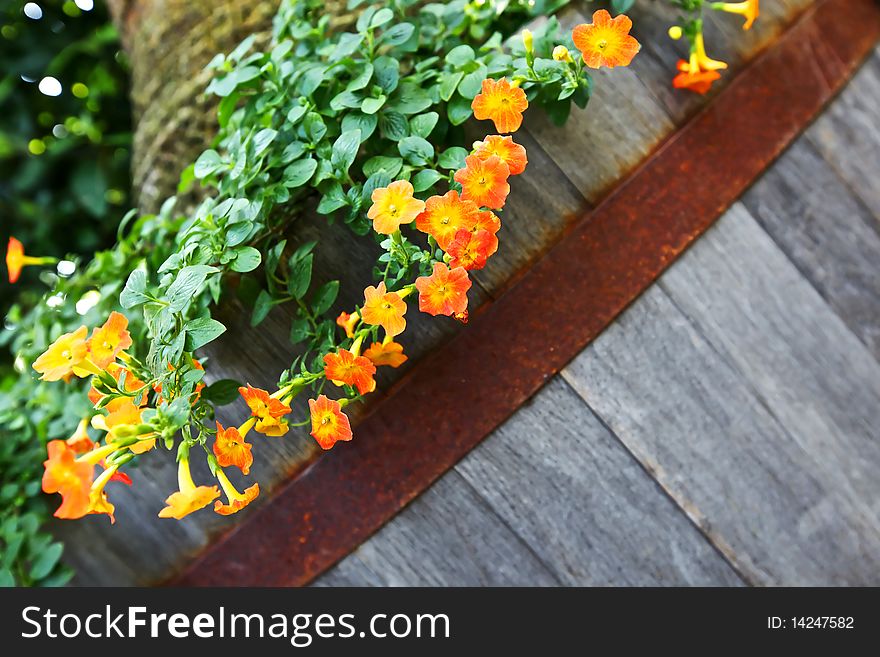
x=528, y=40
x=561, y=54
x=675, y=32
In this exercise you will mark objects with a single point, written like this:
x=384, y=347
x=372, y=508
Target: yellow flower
x=190, y=497
x=750, y=10
x=237, y=501
x=66, y=353
x=394, y=205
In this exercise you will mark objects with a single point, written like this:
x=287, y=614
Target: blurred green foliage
x=64, y=186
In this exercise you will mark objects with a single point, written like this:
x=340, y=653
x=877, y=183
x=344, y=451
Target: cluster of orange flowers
x=699, y=71
x=462, y=224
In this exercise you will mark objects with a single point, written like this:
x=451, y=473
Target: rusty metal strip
x=458, y=395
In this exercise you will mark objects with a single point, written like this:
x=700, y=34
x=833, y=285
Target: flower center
x=66, y=354
x=602, y=44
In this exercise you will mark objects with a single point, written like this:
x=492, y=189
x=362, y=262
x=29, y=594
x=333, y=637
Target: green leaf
x=45, y=561
x=452, y=158
x=262, y=307
x=621, y=6
x=273, y=256
x=247, y=258
x=387, y=73
x=459, y=110
x=201, y=331
x=373, y=105
x=222, y=392
x=345, y=150
x=389, y=165
x=410, y=98
x=416, y=150
x=449, y=83
x=300, y=276
x=300, y=330
x=472, y=83
x=366, y=123
x=6, y=579
x=423, y=124
x=208, y=163
x=381, y=17
x=302, y=251
x=299, y=173
x=133, y=293
x=262, y=140
x=398, y=34
x=460, y=56
x=315, y=127
x=425, y=179
x=296, y=113
x=333, y=199
x=393, y=126
x=181, y=292
x=324, y=297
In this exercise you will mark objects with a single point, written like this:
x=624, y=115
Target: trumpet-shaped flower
x=348, y=322
x=471, y=249
x=606, y=41
x=697, y=81
x=73, y=479
x=445, y=215
x=386, y=353
x=385, y=309
x=329, y=423
x=513, y=154
x=231, y=449
x=484, y=181
x=236, y=501
x=444, y=292
x=189, y=498
x=63, y=356
x=750, y=10
x=502, y=103
x=16, y=260
x=345, y=369
x=392, y=206
x=109, y=340
x=268, y=410
x=98, y=501
x=80, y=441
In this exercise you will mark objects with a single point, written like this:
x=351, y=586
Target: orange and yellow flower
x=63, y=356
x=385, y=309
x=230, y=449
x=98, y=501
x=348, y=322
x=16, y=260
x=750, y=10
x=471, y=249
x=80, y=441
x=444, y=292
x=237, y=501
x=699, y=82
x=189, y=498
x=606, y=41
x=501, y=102
x=484, y=181
x=345, y=369
x=268, y=410
x=445, y=215
x=329, y=423
x=513, y=154
x=392, y=206
x=487, y=220
x=71, y=478
x=109, y=340
x=386, y=353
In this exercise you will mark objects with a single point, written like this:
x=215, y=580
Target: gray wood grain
x=830, y=236
x=848, y=133
x=752, y=405
x=449, y=536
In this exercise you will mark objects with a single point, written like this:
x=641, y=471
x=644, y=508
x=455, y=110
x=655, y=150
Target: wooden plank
x=560, y=479
x=447, y=537
x=848, y=134
x=719, y=381
x=829, y=235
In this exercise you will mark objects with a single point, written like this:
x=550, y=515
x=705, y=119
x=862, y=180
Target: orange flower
x=329, y=423
x=190, y=497
x=606, y=41
x=268, y=410
x=348, y=322
x=513, y=154
x=386, y=353
x=231, y=449
x=237, y=501
x=80, y=442
x=66, y=353
x=346, y=369
x=471, y=249
x=385, y=309
x=16, y=260
x=72, y=478
x=699, y=60
x=749, y=10
x=487, y=220
x=108, y=340
x=98, y=502
x=445, y=215
x=392, y=206
x=699, y=81
x=501, y=102
x=484, y=181
x=444, y=292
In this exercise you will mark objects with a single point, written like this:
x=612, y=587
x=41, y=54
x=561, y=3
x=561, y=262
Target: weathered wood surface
x=571, y=168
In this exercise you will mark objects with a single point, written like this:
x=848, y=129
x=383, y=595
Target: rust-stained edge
x=456, y=396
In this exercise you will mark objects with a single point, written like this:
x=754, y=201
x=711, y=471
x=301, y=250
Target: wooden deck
x=722, y=431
